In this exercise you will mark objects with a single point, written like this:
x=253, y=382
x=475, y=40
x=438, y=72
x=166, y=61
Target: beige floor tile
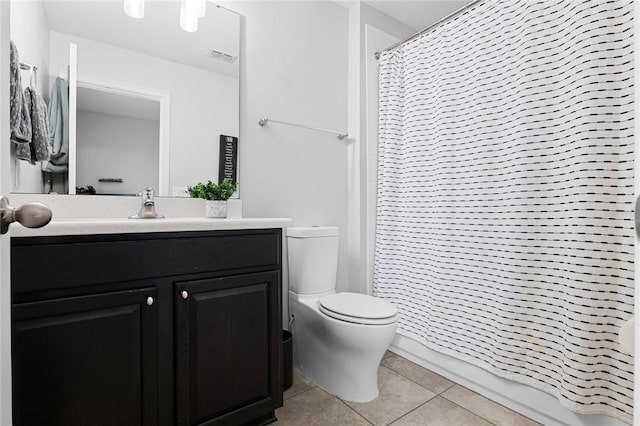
x=398, y=396
x=300, y=384
x=485, y=408
x=316, y=407
x=425, y=378
x=440, y=412
x=387, y=354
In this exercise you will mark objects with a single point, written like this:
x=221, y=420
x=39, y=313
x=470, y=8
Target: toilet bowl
x=339, y=338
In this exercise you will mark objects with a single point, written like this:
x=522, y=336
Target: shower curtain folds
x=505, y=194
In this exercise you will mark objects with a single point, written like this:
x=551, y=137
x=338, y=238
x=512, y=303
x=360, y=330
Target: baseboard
x=524, y=399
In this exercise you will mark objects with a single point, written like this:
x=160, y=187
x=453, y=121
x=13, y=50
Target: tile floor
x=409, y=396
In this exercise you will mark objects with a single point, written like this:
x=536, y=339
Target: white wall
x=294, y=68
x=110, y=146
x=370, y=31
x=203, y=104
x=32, y=41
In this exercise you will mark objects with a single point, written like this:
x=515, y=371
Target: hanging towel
x=20, y=121
x=38, y=149
x=23, y=150
x=58, y=128
x=15, y=93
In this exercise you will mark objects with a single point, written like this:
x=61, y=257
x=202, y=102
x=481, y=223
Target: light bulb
x=188, y=16
x=201, y=7
x=134, y=8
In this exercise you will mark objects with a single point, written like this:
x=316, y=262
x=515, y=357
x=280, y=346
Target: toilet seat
x=358, y=308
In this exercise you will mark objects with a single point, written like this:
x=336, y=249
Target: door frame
x=164, y=130
x=5, y=246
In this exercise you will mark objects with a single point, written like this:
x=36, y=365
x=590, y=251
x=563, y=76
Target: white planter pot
x=216, y=209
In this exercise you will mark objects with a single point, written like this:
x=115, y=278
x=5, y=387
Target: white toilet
x=339, y=338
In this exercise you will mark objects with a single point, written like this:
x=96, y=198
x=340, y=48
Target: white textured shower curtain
x=505, y=194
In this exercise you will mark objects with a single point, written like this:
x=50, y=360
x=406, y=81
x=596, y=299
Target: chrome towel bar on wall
x=265, y=120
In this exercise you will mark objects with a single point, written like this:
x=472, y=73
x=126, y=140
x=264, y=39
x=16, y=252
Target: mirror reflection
x=118, y=141
x=148, y=101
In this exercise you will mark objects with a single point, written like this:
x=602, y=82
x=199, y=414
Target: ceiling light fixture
x=134, y=8
x=188, y=16
x=202, y=8
x=190, y=11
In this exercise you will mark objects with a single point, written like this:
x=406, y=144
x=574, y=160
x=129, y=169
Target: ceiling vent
x=215, y=54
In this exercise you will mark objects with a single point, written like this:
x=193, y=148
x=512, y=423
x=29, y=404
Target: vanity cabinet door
x=88, y=360
x=228, y=349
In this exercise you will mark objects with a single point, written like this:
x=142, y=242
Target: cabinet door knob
x=184, y=294
x=149, y=300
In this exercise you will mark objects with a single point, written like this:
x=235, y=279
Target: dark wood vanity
x=147, y=328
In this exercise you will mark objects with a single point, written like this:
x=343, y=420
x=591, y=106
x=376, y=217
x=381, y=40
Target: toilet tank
x=313, y=259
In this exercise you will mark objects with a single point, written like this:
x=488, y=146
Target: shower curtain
x=505, y=194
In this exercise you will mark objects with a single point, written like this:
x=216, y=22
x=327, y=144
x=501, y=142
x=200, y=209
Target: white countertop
x=119, y=226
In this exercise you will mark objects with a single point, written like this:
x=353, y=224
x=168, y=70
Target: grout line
x=353, y=409
x=466, y=409
x=295, y=395
x=437, y=394
x=452, y=385
x=514, y=413
x=441, y=394
x=413, y=381
x=411, y=411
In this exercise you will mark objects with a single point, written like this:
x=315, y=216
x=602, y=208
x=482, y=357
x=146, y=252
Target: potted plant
x=216, y=196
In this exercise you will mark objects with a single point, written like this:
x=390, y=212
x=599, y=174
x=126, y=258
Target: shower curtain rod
x=431, y=27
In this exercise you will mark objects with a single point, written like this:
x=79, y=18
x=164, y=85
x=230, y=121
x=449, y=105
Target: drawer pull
x=149, y=300
x=184, y=294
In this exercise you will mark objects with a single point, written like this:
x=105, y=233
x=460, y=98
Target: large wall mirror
x=151, y=100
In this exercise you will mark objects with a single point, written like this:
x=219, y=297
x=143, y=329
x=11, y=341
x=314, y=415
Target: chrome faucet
x=148, y=208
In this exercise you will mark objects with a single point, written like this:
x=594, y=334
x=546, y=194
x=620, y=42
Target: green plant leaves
x=213, y=191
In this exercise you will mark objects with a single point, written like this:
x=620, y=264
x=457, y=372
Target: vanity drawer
x=48, y=263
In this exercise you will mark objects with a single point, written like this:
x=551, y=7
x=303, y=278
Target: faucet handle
x=147, y=196
x=148, y=207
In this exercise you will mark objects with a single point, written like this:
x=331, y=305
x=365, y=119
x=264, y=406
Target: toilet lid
x=358, y=308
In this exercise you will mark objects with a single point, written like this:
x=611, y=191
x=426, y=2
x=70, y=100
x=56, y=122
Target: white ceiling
x=417, y=14
x=157, y=34
x=120, y=105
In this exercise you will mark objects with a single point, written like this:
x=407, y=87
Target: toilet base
x=339, y=356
